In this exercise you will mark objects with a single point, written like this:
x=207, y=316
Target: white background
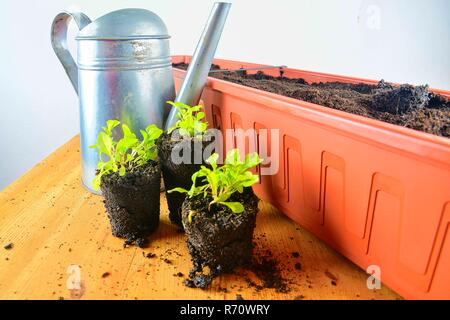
x=398, y=40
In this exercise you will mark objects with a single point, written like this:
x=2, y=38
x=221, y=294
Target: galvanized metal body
x=124, y=72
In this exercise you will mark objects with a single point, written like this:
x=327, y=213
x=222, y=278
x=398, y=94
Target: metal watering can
x=123, y=72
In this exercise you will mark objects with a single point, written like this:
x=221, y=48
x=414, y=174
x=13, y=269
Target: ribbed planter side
x=376, y=192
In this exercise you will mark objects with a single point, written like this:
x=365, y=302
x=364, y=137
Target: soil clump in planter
x=179, y=175
x=405, y=105
x=218, y=240
x=132, y=202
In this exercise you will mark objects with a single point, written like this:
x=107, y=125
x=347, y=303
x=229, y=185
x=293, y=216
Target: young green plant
x=125, y=154
x=220, y=182
x=190, y=120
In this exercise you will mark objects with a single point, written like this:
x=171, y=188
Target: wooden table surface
x=59, y=231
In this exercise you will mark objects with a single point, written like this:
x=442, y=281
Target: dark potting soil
x=277, y=271
x=149, y=255
x=409, y=106
x=267, y=269
x=179, y=175
x=218, y=240
x=132, y=202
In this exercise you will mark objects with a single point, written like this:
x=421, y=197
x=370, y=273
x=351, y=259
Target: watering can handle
x=59, y=42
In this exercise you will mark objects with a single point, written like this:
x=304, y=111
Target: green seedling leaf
x=212, y=160
x=189, y=119
x=96, y=182
x=252, y=160
x=233, y=157
x=104, y=143
x=126, y=153
x=181, y=190
x=200, y=115
x=236, y=207
x=110, y=125
x=190, y=215
x=221, y=182
x=153, y=132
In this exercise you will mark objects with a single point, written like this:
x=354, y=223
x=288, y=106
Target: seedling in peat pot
x=187, y=139
x=219, y=216
x=129, y=177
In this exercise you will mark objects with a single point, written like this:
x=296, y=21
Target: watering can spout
x=197, y=72
x=59, y=42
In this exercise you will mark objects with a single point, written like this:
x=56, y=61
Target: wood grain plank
x=53, y=223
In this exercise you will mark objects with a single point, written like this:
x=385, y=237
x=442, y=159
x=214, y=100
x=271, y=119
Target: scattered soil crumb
x=106, y=274
x=330, y=275
x=61, y=298
x=201, y=281
x=127, y=243
x=267, y=269
x=9, y=246
x=298, y=266
x=333, y=282
x=295, y=254
x=149, y=255
x=178, y=274
x=239, y=297
x=300, y=297
x=141, y=242
x=168, y=261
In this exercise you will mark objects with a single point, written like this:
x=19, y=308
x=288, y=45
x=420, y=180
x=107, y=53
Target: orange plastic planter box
x=376, y=192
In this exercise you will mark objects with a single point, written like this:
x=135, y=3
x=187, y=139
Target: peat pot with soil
x=129, y=179
x=219, y=216
x=181, y=153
